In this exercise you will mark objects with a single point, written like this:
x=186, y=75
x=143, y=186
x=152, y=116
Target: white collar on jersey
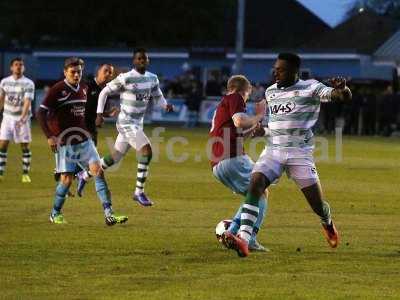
x=13, y=78
x=286, y=87
x=140, y=74
x=75, y=89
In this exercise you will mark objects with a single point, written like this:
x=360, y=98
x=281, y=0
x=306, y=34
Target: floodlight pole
x=240, y=36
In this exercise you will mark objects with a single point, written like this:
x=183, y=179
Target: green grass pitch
x=170, y=251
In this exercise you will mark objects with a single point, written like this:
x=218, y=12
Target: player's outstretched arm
x=101, y=104
x=341, y=92
x=244, y=121
x=161, y=101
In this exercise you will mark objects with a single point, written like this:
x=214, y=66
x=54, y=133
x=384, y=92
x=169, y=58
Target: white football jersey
x=293, y=111
x=135, y=92
x=15, y=91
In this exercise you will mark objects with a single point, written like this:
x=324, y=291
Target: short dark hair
x=18, y=58
x=73, y=62
x=102, y=65
x=105, y=64
x=292, y=58
x=139, y=50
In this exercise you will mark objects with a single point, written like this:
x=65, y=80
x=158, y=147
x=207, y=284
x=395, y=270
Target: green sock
x=3, y=161
x=142, y=172
x=248, y=216
x=26, y=160
x=250, y=199
x=326, y=217
x=107, y=161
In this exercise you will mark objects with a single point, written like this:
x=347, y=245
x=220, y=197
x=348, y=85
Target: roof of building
x=284, y=24
x=390, y=50
x=364, y=32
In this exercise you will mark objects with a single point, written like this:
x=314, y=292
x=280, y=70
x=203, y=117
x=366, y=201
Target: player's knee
x=117, y=156
x=3, y=146
x=66, y=179
x=146, y=150
x=96, y=170
x=144, y=156
x=25, y=147
x=258, y=184
x=100, y=172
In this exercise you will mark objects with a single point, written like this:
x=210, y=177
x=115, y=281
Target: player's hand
x=99, y=120
x=261, y=108
x=20, y=122
x=338, y=82
x=169, y=108
x=52, y=141
x=114, y=112
x=258, y=131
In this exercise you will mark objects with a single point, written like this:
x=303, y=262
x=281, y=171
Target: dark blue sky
x=331, y=11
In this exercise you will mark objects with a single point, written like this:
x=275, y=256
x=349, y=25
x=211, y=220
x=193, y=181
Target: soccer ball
x=221, y=228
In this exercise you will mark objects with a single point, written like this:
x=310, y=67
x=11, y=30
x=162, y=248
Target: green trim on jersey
x=12, y=113
x=133, y=103
x=144, y=79
x=298, y=100
x=299, y=116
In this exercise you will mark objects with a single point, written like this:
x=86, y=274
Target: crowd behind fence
x=374, y=109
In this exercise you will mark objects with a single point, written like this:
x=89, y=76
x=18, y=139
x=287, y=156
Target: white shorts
x=130, y=136
x=297, y=163
x=10, y=132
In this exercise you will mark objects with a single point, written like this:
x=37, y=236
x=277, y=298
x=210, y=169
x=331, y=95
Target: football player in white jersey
x=294, y=106
x=16, y=94
x=136, y=88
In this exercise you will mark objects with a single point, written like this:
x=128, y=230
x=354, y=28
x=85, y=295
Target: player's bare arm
x=162, y=102
x=341, y=92
x=1, y=101
x=245, y=121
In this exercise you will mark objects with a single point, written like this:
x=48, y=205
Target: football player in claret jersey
x=104, y=74
x=230, y=165
x=16, y=94
x=135, y=87
x=294, y=106
x=69, y=139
